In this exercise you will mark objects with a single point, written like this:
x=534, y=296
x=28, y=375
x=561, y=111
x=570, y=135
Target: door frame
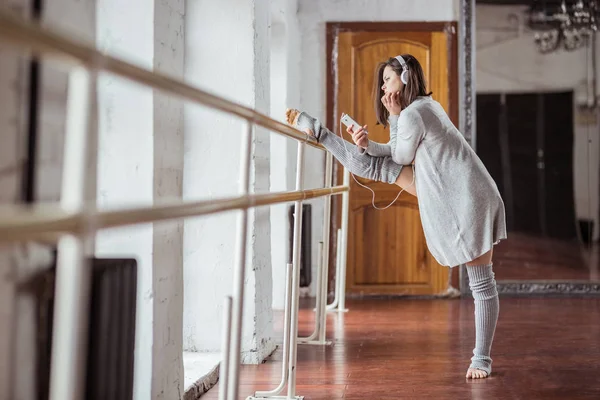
x=332, y=31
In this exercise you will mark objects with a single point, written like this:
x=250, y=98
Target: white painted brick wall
x=229, y=58
x=141, y=161
x=260, y=217
x=125, y=160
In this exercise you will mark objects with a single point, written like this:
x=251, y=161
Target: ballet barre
x=70, y=223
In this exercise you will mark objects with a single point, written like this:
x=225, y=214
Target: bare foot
x=474, y=373
x=291, y=116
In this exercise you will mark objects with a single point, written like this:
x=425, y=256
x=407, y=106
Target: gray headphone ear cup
x=404, y=77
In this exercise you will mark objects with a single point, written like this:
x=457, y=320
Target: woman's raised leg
x=382, y=169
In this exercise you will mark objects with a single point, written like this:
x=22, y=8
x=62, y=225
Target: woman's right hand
x=360, y=136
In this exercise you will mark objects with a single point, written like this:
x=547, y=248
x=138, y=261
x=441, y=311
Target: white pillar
x=140, y=161
x=167, y=359
x=285, y=92
x=226, y=53
x=312, y=99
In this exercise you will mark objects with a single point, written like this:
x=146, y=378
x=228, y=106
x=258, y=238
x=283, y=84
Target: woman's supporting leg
x=487, y=305
x=382, y=169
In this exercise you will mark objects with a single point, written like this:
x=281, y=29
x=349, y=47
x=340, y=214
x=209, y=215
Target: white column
x=312, y=99
x=226, y=53
x=285, y=92
x=167, y=358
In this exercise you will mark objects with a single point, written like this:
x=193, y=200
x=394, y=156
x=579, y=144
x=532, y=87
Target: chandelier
x=563, y=23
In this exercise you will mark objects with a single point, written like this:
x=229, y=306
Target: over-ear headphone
x=404, y=74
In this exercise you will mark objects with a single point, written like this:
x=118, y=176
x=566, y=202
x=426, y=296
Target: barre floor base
x=545, y=348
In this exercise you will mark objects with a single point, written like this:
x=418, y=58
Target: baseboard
x=556, y=288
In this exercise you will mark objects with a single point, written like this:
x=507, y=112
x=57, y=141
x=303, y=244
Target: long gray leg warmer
x=382, y=169
x=487, y=305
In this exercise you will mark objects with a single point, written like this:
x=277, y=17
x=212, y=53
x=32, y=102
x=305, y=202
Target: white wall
x=230, y=58
x=509, y=62
x=141, y=162
x=279, y=163
x=125, y=159
x=313, y=15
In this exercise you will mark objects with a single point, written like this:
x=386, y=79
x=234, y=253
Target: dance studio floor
x=419, y=349
x=525, y=257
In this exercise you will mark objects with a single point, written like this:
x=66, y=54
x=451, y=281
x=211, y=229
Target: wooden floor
x=525, y=257
x=420, y=349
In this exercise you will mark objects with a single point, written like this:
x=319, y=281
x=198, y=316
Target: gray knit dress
x=461, y=209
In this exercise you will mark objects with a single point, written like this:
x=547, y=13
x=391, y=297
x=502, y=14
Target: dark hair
x=415, y=87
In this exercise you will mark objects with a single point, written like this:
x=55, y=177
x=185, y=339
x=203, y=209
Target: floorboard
x=525, y=257
x=420, y=349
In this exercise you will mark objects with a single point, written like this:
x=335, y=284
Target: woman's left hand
x=391, y=101
x=360, y=136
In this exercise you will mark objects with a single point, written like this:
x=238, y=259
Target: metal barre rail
x=44, y=40
x=26, y=223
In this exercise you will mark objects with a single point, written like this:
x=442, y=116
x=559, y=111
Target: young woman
x=461, y=210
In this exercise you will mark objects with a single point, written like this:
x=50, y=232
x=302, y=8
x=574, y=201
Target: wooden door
x=387, y=252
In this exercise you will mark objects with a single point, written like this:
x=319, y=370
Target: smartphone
x=347, y=120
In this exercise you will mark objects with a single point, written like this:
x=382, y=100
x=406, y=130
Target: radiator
x=111, y=340
x=112, y=330
x=305, y=250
